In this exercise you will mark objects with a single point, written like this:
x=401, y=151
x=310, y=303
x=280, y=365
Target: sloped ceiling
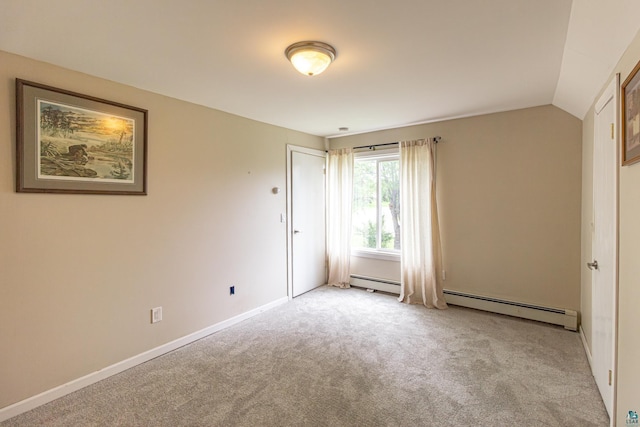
x=598, y=34
x=399, y=62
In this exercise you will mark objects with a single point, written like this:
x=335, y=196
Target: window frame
x=382, y=253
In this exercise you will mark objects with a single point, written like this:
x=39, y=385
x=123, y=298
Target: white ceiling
x=399, y=62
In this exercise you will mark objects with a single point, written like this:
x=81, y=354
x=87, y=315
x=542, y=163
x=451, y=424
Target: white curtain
x=420, y=235
x=339, y=195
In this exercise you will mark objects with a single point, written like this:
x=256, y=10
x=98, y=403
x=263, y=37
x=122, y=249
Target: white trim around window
x=382, y=253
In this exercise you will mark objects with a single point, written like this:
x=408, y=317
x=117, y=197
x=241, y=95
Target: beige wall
x=509, y=202
x=79, y=273
x=628, y=344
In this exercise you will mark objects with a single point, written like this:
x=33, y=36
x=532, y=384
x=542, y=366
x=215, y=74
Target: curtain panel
x=421, y=254
x=339, y=199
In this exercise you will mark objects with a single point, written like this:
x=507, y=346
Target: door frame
x=610, y=94
x=290, y=150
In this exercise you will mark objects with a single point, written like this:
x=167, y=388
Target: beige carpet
x=346, y=357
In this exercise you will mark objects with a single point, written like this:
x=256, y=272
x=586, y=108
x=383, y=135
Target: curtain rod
x=435, y=139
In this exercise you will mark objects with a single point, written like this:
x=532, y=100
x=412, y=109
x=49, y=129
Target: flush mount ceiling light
x=310, y=58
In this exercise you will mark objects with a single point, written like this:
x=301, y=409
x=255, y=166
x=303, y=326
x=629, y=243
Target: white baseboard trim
x=585, y=344
x=74, y=385
x=382, y=285
x=556, y=316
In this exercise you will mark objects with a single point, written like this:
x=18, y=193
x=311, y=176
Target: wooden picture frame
x=630, y=108
x=67, y=142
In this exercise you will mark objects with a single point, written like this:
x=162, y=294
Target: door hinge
x=610, y=376
x=611, y=130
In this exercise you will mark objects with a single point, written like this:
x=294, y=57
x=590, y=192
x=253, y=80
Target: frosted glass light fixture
x=310, y=58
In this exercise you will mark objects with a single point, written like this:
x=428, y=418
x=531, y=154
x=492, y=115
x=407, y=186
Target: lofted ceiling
x=398, y=62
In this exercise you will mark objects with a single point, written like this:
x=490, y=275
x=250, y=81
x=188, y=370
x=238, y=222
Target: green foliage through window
x=376, y=203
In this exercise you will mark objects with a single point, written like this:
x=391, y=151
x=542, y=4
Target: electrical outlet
x=156, y=314
x=232, y=290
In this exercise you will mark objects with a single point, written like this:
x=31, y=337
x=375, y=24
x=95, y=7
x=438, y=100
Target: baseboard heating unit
x=555, y=316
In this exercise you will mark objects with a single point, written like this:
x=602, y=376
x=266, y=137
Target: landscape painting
x=79, y=144
x=73, y=143
x=631, y=117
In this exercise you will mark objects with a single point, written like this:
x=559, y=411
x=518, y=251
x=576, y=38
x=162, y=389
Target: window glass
x=376, y=203
x=390, y=204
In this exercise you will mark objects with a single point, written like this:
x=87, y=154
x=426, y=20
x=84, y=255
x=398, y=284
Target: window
x=376, y=203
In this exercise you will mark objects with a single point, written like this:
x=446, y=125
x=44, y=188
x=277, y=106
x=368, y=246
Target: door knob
x=296, y=231
x=593, y=265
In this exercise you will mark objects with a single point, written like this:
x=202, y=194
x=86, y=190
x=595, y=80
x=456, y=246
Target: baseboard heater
x=555, y=316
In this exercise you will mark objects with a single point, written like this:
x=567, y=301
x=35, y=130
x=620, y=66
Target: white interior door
x=604, y=243
x=307, y=220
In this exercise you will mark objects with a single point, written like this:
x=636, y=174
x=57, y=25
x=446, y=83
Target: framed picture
x=73, y=143
x=631, y=118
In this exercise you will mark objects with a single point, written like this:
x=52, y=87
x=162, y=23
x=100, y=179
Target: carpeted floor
x=346, y=357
